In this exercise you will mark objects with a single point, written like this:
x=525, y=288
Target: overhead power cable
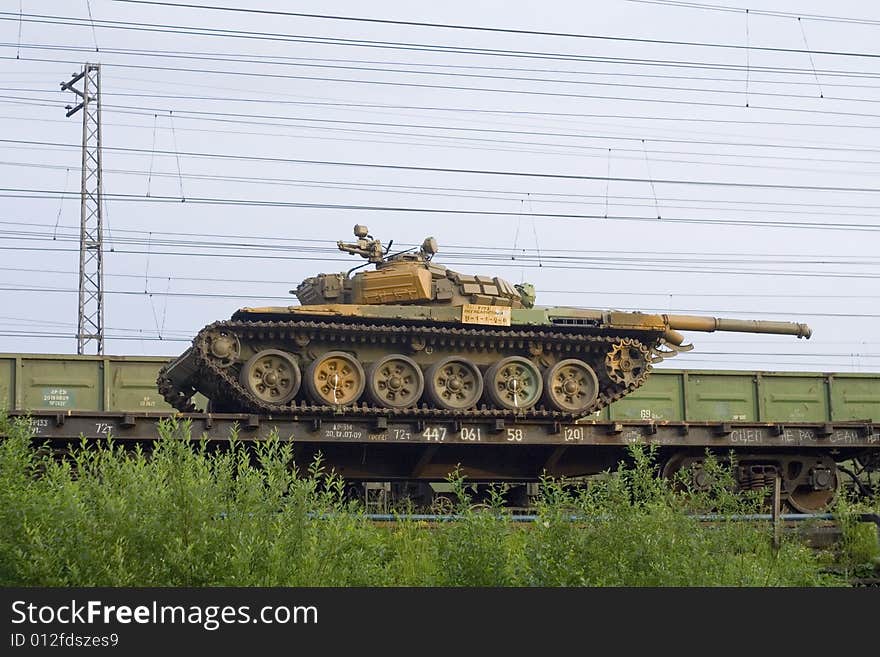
x=527, y=113
x=287, y=120
x=496, y=30
x=749, y=313
x=715, y=205
x=470, y=251
x=526, y=92
x=652, y=63
x=755, y=223
x=716, y=159
x=615, y=266
x=400, y=167
x=292, y=61
x=759, y=12
x=42, y=335
x=421, y=47
x=579, y=293
x=665, y=101
x=483, y=76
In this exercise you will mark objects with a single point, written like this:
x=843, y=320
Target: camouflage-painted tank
x=413, y=338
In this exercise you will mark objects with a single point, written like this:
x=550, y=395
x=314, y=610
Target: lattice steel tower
x=90, y=326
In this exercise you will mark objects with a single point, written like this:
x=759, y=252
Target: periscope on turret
x=411, y=337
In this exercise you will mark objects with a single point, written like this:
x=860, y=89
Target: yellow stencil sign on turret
x=480, y=314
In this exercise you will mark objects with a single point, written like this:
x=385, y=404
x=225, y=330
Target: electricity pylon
x=90, y=325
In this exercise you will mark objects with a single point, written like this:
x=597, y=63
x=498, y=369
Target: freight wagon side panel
x=660, y=398
x=132, y=386
x=794, y=397
x=855, y=397
x=721, y=396
x=48, y=383
x=7, y=382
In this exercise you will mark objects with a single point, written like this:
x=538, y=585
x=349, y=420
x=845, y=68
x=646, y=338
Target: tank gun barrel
x=712, y=324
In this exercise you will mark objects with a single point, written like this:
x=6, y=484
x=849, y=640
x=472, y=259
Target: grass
x=244, y=515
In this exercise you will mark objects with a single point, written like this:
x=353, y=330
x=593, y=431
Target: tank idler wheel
x=514, y=383
x=223, y=347
x=271, y=376
x=454, y=383
x=627, y=362
x=335, y=378
x=571, y=386
x=395, y=381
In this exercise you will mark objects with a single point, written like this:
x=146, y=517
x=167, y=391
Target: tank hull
x=429, y=362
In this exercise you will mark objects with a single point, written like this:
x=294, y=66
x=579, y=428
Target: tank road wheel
x=395, y=381
x=271, y=376
x=571, y=386
x=627, y=362
x=335, y=378
x=514, y=383
x=454, y=383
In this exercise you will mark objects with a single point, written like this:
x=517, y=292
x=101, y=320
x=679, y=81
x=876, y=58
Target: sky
x=650, y=155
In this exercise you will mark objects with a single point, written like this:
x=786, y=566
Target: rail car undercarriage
x=806, y=457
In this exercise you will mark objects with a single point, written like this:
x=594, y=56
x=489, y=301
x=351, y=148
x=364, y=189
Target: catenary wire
x=496, y=172
x=665, y=101
x=137, y=198
x=207, y=115
x=760, y=12
x=499, y=195
x=497, y=30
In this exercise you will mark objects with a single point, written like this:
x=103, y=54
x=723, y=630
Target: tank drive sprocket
x=628, y=362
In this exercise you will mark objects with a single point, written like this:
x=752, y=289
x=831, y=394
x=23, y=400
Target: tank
x=410, y=337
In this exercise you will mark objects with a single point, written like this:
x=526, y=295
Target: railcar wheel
x=696, y=478
x=442, y=505
x=571, y=386
x=454, y=383
x=335, y=378
x=395, y=381
x=817, y=494
x=271, y=376
x=514, y=383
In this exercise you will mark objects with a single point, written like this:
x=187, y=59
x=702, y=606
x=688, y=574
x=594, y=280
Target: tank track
x=178, y=399
x=342, y=333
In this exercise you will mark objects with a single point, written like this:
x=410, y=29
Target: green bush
x=640, y=534
x=190, y=514
x=858, y=552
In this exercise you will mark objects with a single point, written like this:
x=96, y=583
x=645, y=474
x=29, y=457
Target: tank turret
x=410, y=337
x=407, y=277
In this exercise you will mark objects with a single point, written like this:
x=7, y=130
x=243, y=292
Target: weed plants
x=186, y=514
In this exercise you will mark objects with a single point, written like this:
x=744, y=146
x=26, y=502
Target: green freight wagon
x=31, y=382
